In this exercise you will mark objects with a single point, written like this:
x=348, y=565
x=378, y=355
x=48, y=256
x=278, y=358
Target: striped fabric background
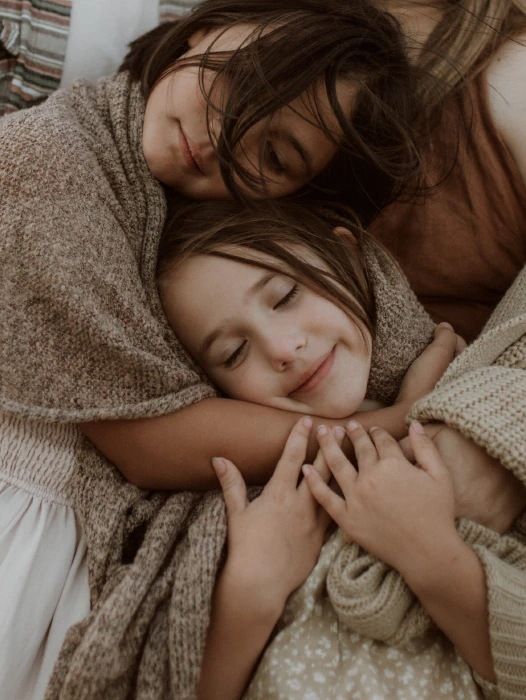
x=33, y=40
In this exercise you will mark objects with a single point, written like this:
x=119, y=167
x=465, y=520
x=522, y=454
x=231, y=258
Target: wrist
x=426, y=567
x=254, y=593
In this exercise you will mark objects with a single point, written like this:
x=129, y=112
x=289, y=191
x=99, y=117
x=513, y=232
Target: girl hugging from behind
x=281, y=308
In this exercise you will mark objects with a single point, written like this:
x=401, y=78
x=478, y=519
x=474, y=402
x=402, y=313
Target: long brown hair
x=462, y=43
x=287, y=231
x=296, y=46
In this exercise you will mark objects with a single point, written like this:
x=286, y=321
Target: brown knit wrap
x=83, y=337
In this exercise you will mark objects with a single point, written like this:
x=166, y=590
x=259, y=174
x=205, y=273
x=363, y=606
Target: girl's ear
x=198, y=36
x=342, y=231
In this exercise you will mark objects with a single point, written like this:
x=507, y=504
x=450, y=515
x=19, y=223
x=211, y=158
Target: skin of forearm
x=449, y=581
x=240, y=625
x=175, y=451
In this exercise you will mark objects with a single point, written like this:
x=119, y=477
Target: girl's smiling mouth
x=190, y=152
x=315, y=374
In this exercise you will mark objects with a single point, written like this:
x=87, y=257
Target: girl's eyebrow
x=211, y=337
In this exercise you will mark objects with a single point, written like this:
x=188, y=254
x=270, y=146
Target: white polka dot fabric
x=313, y=656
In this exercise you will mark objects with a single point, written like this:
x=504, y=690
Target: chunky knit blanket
x=355, y=624
x=83, y=338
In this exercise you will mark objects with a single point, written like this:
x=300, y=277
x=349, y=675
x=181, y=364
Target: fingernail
x=219, y=465
x=322, y=430
x=307, y=421
x=339, y=432
x=445, y=324
x=352, y=425
x=417, y=427
x=306, y=469
x=373, y=428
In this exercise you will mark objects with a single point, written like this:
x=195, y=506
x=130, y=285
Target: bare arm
x=175, y=451
x=450, y=582
x=273, y=544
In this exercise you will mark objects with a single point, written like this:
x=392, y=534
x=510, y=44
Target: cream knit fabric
x=483, y=394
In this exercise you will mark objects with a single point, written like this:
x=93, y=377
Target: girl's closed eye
x=274, y=161
x=288, y=297
x=235, y=356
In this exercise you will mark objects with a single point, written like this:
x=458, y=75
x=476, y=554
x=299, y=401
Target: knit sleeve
x=507, y=622
x=484, y=398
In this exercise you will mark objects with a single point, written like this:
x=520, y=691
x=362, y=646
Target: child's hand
x=274, y=541
x=389, y=507
x=485, y=491
x=427, y=369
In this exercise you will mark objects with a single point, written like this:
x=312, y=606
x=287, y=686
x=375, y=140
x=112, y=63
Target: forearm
x=450, y=583
x=175, y=451
x=237, y=635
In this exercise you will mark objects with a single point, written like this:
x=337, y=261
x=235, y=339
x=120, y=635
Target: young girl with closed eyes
x=281, y=311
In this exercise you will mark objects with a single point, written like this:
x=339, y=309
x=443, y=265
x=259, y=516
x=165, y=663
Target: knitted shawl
x=83, y=338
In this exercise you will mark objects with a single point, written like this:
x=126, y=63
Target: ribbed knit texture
x=483, y=394
x=39, y=457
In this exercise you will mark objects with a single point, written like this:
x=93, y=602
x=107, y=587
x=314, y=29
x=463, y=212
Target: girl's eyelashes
x=287, y=298
x=230, y=361
x=239, y=351
x=274, y=161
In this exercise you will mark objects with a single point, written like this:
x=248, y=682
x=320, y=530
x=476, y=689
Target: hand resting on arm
x=485, y=491
x=175, y=451
x=406, y=517
x=273, y=544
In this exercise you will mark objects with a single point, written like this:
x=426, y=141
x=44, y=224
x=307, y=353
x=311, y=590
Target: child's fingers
x=320, y=465
x=333, y=504
x=426, y=452
x=444, y=344
x=232, y=484
x=460, y=346
x=407, y=449
x=364, y=448
x=386, y=446
x=289, y=466
x=342, y=470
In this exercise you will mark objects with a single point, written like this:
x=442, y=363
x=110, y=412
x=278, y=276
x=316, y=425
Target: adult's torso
x=462, y=245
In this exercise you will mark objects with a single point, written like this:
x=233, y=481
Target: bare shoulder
x=506, y=78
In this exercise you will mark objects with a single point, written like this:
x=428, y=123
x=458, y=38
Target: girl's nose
x=283, y=350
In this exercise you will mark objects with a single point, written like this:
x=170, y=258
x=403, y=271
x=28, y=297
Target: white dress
x=43, y=570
